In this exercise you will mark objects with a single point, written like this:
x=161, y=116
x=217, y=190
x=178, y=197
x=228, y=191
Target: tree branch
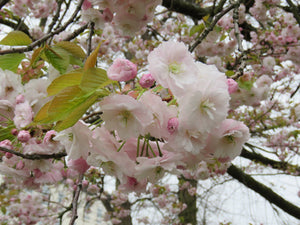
x=3, y=3
x=264, y=191
x=35, y=156
x=187, y=8
x=16, y=26
x=75, y=200
x=210, y=27
x=294, y=10
x=46, y=37
x=258, y=158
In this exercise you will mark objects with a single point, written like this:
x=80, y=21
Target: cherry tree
x=140, y=91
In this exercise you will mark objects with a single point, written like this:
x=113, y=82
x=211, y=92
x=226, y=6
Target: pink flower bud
x=108, y=15
x=173, y=125
x=86, y=5
x=14, y=132
x=20, y=99
x=24, y=136
x=20, y=165
x=48, y=136
x=85, y=183
x=232, y=86
x=8, y=155
x=147, y=80
x=122, y=70
x=6, y=144
x=93, y=189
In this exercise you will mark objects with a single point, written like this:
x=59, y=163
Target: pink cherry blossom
x=23, y=115
x=76, y=140
x=161, y=114
x=122, y=70
x=226, y=141
x=172, y=66
x=126, y=115
x=79, y=165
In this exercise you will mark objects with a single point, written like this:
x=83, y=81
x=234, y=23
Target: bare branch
x=187, y=8
x=280, y=165
x=3, y=3
x=35, y=156
x=46, y=37
x=75, y=200
x=210, y=27
x=264, y=191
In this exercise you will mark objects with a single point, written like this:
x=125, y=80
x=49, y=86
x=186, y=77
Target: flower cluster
x=127, y=16
x=143, y=136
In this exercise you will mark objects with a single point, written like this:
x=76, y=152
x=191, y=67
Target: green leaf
x=66, y=108
x=42, y=115
x=247, y=85
x=11, y=61
x=197, y=29
x=5, y=133
x=72, y=48
x=94, y=78
x=229, y=73
x=65, y=102
x=76, y=114
x=3, y=210
x=76, y=53
x=36, y=55
x=222, y=38
x=66, y=80
x=58, y=57
x=16, y=38
x=92, y=59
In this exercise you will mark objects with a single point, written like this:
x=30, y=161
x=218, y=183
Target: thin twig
x=89, y=44
x=35, y=156
x=75, y=200
x=56, y=16
x=242, y=57
x=75, y=33
x=210, y=27
x=46, y=37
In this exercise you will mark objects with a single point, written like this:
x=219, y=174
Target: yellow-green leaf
x=72, y=48
x=58, y=57
x=229, y=73
x=11, y=61
x=35, y=55
x=62, y=105
x=92, y=59
x=66, y=80
x=94, y=78
x=197, y=29
x=66, y=101
x=42, y=115
x=76, y=114
x=16, y=38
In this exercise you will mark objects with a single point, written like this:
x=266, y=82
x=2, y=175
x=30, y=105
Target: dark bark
x=258, y=158
x=127, y=205
x=189, y=215
x=3, y=3
x=187, y=8
x=35, y=156
x=16, y=26
x=264, y=191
